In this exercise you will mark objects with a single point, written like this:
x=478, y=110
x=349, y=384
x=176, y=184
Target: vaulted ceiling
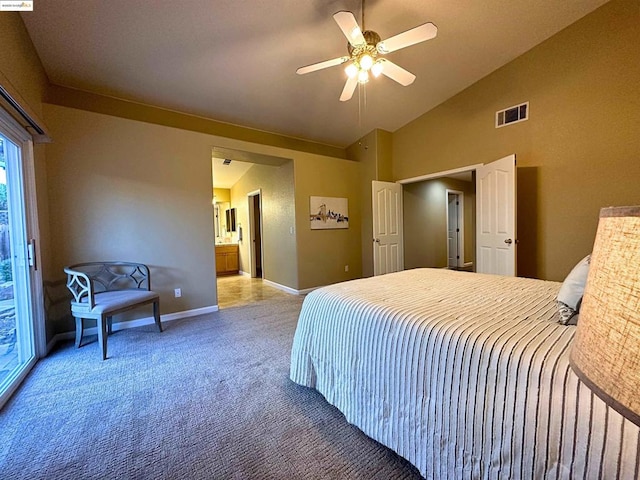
x=235, y=60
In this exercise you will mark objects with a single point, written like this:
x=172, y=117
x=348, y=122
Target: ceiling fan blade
x=319, y=66
x=349, y=26
x=349, y=88
x=399, y=74
x=418, y=34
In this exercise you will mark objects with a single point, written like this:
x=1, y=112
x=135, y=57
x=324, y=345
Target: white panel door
x=388, y=250
x=496, y=217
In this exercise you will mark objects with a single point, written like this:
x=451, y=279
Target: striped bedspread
x=465, y=375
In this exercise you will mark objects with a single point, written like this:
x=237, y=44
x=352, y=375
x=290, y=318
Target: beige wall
x=222, y=194
x=19, y=63
x=305, y=258
x=314, y=172
x=425, y=222
x=146, y=113
x=373, y=153
x=579, y=151
x=123, y=189
x=280, y=263
x=323, y=254
x=132, y=191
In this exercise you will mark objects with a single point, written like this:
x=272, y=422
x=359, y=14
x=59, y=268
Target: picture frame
x=328, y=213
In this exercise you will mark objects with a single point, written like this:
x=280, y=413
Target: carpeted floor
x=208, y=398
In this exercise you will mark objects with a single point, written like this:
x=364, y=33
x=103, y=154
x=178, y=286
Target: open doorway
x=255, y=233
x=260, y=191
x=439, y=220
x=455, y=229
x=493, y=218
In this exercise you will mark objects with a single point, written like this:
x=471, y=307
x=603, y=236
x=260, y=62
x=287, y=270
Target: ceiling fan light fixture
x=366, y=61
x=363, y=76
x=351, y=70
x=376, y=69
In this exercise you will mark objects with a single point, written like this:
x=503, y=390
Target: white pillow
x=573, y=286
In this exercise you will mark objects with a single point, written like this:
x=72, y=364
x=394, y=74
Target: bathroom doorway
x=255, y=232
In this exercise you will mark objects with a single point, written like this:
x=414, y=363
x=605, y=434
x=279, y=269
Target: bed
x=465, y=375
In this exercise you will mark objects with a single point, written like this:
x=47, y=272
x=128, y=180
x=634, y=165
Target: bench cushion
x=106, y=302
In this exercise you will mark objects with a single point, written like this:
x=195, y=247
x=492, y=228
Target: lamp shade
x=606, y=349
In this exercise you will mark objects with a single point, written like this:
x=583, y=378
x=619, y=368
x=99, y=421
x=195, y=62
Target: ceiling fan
x=365, y=50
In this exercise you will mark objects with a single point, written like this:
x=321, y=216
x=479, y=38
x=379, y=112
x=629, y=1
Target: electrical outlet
x=178, y=292
x=346, y=268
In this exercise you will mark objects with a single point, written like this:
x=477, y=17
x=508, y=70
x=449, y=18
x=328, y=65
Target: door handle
x=377, y=240
x=508, y=241
x=31, y=253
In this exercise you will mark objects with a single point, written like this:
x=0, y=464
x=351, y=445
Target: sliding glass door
x=18, y=308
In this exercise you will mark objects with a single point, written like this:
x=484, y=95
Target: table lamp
x=606, y=349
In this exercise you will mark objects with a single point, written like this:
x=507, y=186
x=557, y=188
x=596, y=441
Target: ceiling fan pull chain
x=365, y=99
x=360, y=87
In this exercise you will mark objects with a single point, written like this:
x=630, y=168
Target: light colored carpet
x=208, y=398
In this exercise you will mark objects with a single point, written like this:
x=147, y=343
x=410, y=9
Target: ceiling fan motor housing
x=372, y=38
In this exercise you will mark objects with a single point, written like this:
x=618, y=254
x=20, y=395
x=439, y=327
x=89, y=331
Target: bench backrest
x=84, y=280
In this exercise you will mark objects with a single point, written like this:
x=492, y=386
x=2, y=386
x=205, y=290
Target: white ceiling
x=226, y=176
x=235, y=60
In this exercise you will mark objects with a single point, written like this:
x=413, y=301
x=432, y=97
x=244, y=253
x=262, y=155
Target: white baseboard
x=290, y=290
x=284, y=288
x=185, y=314
x=279, y=286
x=304, y=291
x=138, y=322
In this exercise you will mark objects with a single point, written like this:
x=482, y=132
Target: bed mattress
x=463, y=374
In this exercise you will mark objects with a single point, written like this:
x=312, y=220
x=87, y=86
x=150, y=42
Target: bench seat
x=101, y=290
x=118, y=301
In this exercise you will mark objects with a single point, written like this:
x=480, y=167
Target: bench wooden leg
x=156, y=314
x=109, y=325
x=79, y=329
x=102, y=336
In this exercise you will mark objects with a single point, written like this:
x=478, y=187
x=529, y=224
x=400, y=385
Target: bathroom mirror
x=231, y=219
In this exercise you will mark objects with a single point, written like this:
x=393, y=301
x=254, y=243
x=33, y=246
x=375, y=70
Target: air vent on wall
x=226, y=162
x=515, y=114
